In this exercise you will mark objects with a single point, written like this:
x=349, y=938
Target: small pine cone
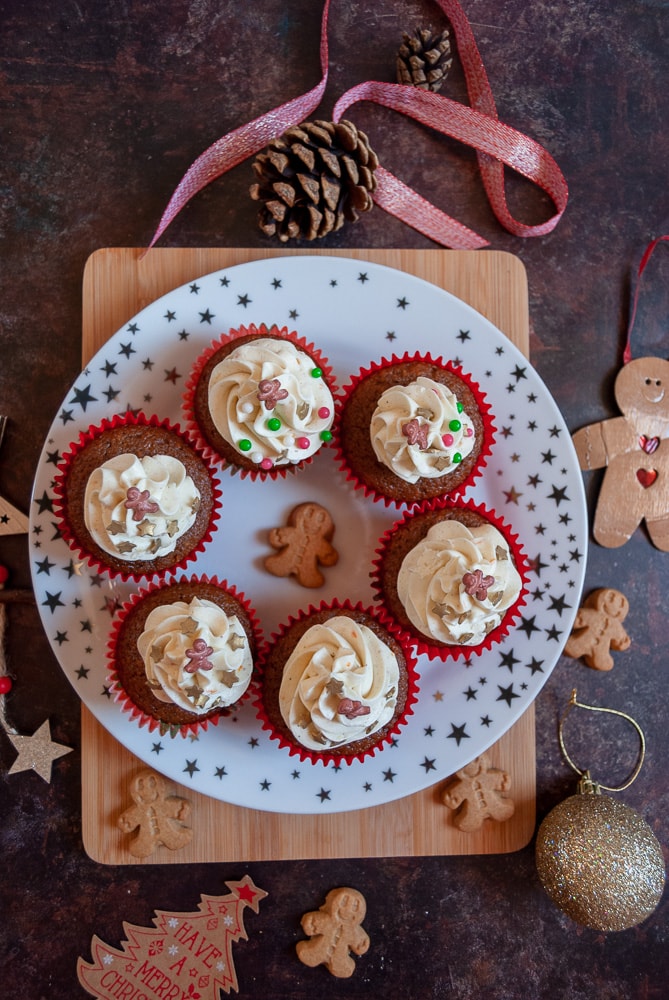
x=312, y=179
x=424, y=59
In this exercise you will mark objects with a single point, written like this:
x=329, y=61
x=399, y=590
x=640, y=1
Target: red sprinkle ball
x=5, y=684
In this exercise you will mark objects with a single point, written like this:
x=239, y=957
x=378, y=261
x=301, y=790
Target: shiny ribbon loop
x=647, y=254
x=478, y=126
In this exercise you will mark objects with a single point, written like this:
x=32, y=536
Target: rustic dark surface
x=102, y=108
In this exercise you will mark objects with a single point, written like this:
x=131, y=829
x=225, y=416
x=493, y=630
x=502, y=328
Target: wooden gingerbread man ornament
x=634, y=450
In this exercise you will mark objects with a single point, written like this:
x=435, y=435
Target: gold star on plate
x=37, y=752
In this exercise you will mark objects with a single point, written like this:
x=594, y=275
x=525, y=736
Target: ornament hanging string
x=647, y=254
x=585, y=775
x=478, y=126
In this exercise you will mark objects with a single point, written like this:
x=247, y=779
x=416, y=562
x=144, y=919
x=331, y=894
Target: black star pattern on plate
x=507, y=694
x=220, y=772
x=389, y=775
x=53, y=601
x=323, y=795
x=458, y=733
x=402, y=303
x=206, y=317
x=191, y=767
x=126, y=350
x=428, y=764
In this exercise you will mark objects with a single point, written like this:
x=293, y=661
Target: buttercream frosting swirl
x=457, y=583
x=339, y=685
x=195, y=655
x=138, y=508
x=270, y=401
x=420, y=430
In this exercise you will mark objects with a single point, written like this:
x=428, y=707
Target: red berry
x=5, y=684
x=4, y=575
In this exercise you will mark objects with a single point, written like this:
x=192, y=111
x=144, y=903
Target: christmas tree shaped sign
x=187, y=956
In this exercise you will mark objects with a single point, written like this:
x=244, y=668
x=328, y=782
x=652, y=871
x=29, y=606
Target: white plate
x=354, y=311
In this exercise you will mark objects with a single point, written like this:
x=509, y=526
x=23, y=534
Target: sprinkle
x=325, y=435
x=266, y=464
x=172, y=528
x=303, y=443
x=273, y=424
x=459, y=407
x=469, y=432
x=455, y=425
x=198, y=657
x=236, y=641
x=457, y=457
x=140, y=502
x=448, y=439
x=245, y=445
x=352, y=709
x=316, y=372
x=246, y=408
x=324, y=412
x=476, y=584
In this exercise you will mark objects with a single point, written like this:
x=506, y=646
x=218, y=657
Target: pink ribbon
x=647, y=254
x=478, y=126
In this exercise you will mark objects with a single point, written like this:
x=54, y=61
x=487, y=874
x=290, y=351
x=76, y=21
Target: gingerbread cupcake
x=181, y=654
x=261, y=400
x=336, y=683
x=412, y=429
x=451, y=577
x=136, y=497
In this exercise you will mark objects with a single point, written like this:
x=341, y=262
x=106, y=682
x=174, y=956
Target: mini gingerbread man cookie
x=303, y=544
x=159, y=818
x=335, y=931
x=598, y=628
x=474, y=793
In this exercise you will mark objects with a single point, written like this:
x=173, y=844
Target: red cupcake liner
x=484, y=407
x=139, y=715
x=328, y=757
x=60, y=502
x=192, y=426
x=420, y=642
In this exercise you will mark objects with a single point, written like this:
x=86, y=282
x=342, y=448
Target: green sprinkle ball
x=316, y=372
x=273, y=424
x=245, y=445
x=325, y=435
x=455, y=425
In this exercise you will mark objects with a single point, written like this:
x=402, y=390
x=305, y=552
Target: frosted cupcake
x=451, y=577
x=412, y=429
x=136, y=497
x=336, y=683
x=184, y=653
x=261, y=400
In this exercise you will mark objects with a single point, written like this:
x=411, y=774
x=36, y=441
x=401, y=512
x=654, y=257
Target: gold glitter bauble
x=600, y=862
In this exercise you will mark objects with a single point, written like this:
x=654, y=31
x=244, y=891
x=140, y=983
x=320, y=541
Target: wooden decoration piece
x=598, y=628
x=335, y=930
x=186, y=955
x=158, y=818
x=475, y=794
x=632, y=450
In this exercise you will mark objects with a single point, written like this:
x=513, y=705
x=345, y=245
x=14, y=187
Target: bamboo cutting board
x=118, y=282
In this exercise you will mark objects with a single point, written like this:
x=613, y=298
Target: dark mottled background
x=103, y=106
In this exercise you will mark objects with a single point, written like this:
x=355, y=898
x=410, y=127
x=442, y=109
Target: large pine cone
x=424, y=59
x=313, y=178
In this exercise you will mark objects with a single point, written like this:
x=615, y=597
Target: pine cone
x=424, y=59
x=312, y=179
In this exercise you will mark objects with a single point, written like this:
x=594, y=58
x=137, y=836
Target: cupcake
x=336, y=683
x=181, y=654
x=412, y=429
x=136, y=497
x=451, y=577
x=261, y=399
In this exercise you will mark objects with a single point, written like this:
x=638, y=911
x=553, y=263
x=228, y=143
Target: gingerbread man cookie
x=632, y=450
x=335, y=931
x=474, y=794
x=598, y=628
x=159, y=818
x=303, y=544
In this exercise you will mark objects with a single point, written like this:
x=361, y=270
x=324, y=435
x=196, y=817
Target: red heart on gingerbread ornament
x=646, y=477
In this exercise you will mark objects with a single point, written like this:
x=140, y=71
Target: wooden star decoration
x=37, y=752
